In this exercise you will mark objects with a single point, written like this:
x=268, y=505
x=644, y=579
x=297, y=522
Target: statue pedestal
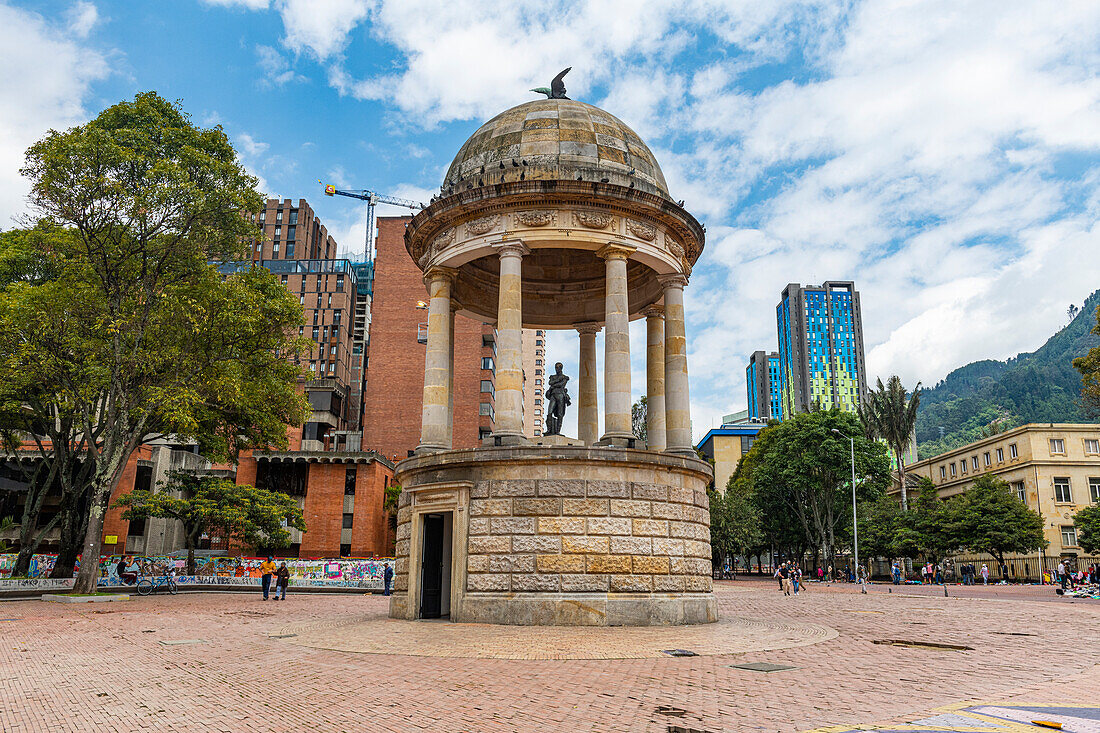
x=556, y=440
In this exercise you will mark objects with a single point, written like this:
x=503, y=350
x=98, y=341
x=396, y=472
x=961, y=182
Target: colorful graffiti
x=1008, y=718
x=337, y=572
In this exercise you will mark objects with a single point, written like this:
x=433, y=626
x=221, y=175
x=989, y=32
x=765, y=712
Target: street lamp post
x=855, y=527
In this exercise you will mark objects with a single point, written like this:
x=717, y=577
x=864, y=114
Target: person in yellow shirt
x=267, y=569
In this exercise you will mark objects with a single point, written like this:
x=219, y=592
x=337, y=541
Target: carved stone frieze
x=535, y=218
x=483, y=225
x=593, y=219
x=674, y=246
x=641, y=230
x=441, y=241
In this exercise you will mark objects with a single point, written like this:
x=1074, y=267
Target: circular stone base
x=587, y=609
x=554, y=535
x=376, y=634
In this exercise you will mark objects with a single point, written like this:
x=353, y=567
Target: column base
x=423, y=449
x=681, y=452
x=620, y=440
x=499, y=439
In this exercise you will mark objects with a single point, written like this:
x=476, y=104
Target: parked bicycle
x=145, y=586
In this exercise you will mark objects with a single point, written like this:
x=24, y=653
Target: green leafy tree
x=216, y=506
x=734, y=522
x=890, y=413
x=881, y=529
x=801, y=473
x=137, y=334
x=1087, y=522
x=990, y=518
x=1089, y=366
x=930, y=528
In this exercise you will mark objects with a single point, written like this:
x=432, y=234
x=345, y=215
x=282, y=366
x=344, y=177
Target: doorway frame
x=440, y=498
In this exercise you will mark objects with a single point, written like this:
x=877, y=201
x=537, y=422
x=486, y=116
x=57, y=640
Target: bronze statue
x=556, y=91
x=557, y=399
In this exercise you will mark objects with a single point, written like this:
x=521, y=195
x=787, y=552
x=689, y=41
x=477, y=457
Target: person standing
x=1062, y=574
x=985, y=574
x=282, y=580
x=785, y=579
x=387, y=579
x=267, y=569
x=895, y=572
x=820, y=574
x=861, y=574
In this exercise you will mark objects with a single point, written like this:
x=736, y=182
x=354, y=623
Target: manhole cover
x=763, y=667
x=281, y=636
x=177, y=642
x=671, y=711
x=923, y=645
x=679, y=653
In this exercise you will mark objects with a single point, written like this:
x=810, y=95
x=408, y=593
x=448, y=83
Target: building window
x=278, y=232
x=1000, y=455
x=1092, y=446
x=487, y=386
x=1012, y=452
x=487, y=363
x=943, y=471
x=283, y=278
x=962, y=466
x=974, y=462
x=1094, y=489
x=293, y=217
x=289, y=250
x=1057, y=445
x=485, y=409
x=262, y=215
x=345, y=550
x=953, y=472
x=349, y=481
x=340, y=283
x=988, y=460
x=290, y=232
x=279, y=215
x=1062, y=493
x=1021, y=491
x=1069, y=536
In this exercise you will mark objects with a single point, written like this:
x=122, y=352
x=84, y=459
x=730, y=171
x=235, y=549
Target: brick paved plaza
x=106, y=667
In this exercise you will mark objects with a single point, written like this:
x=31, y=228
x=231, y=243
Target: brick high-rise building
x=394, y=390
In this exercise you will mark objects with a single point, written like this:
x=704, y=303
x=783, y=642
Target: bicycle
x=145, y=586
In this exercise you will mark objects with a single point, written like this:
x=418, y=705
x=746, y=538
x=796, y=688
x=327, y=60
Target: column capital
x=440, y=273
x=589, y=327
x=616, y=251
x=674, y=280
x=511, y=248
x=654, y=311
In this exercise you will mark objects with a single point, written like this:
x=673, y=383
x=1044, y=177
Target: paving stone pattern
x=90, y=668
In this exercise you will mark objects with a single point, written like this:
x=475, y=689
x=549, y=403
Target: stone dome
x=555, y=139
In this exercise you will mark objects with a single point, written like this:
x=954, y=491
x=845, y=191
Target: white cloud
x=47, y=76
x=276, y=68
x=320, y=29
x=82, y=17
x=243, y=4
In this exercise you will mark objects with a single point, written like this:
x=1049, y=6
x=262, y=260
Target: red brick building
x=394, y=390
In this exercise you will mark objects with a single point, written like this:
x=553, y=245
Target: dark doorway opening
x=435, y=578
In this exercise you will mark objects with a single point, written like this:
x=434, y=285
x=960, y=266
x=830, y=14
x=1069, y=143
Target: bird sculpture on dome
x=557, y=87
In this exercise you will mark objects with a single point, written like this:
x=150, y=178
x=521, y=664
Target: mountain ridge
x=1036, y=386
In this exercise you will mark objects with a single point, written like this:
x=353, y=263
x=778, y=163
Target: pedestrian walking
x=861, y=574
x=820, y=574
x=282, y=580
x=387, y=579
x=785, y=579
x=267, y=569
x=895, y=573
x=985, y=574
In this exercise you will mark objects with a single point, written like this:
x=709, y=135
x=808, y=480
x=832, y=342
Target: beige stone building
x=1053, y=467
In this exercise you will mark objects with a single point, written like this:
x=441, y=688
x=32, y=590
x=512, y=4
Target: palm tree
x=888, y=415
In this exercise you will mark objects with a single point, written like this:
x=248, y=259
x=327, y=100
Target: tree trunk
x=190, y=555
x=901, y=478
x=72, y=534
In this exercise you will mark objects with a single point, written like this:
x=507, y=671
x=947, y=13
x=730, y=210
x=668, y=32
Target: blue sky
x=942, y=154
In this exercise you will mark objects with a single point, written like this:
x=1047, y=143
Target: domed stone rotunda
x=556, y=215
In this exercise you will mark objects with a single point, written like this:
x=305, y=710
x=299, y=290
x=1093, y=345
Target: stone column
x=588, y=410
x=655, y=377
x=677, y=410
x=616, y=364
x=435, y=416
x=508, y=429
x=451, y=382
